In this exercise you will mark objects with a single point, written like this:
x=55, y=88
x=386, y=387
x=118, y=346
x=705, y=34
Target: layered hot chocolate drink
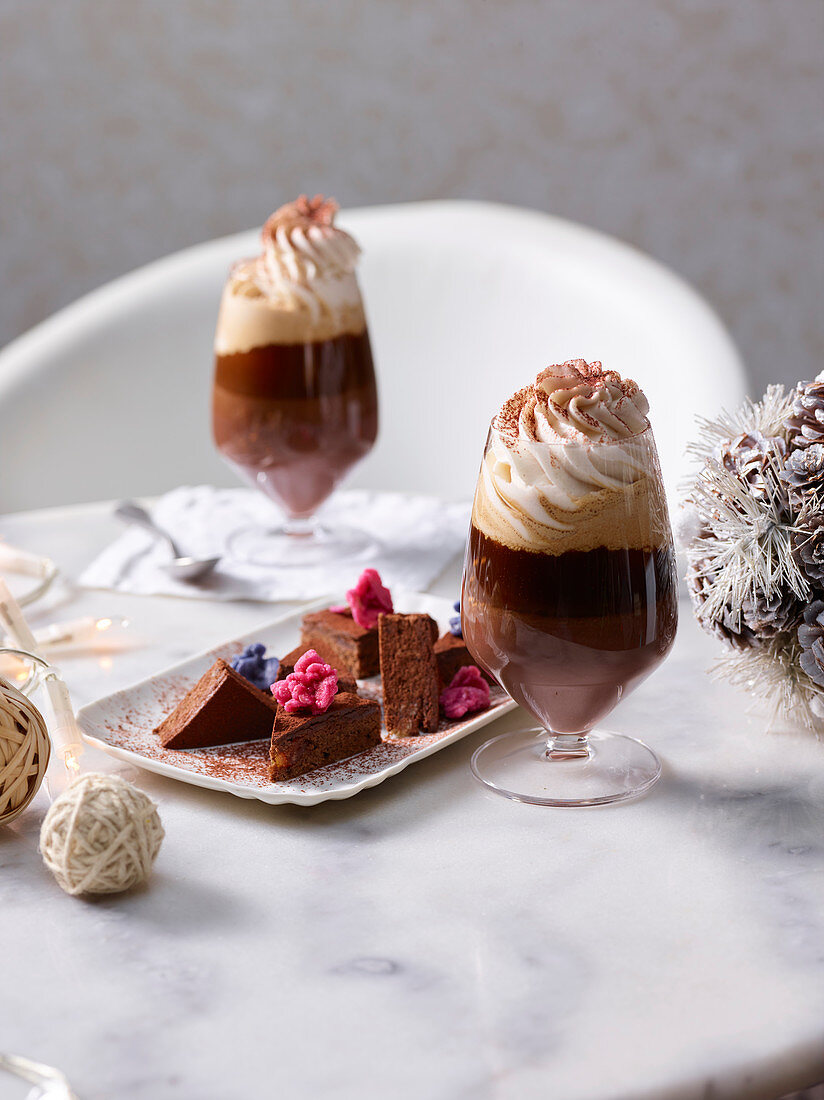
x=295, y=402
x=569, y=592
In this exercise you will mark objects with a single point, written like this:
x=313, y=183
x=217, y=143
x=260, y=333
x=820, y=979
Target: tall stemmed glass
x=570, y=628
x=294, y=402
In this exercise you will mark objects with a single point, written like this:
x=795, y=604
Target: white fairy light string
x=63, y=728
x=86, y=631
x=49, y=1083
x=101, y=834
x=13, y=560
x=79, y=632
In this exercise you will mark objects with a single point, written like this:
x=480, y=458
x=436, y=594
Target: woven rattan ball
x=100, y=836
x=24, y=751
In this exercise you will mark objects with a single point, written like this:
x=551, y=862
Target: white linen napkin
x=416, y=537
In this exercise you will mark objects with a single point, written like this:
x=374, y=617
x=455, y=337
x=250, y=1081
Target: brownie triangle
x=220, y=709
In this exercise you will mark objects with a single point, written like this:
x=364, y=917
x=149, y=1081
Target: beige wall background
x=692, y=128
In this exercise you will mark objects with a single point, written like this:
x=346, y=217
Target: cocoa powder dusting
x=517, y=415
x=303, y=213
x=129, y=716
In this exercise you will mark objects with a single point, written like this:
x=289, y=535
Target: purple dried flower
x=251, y=664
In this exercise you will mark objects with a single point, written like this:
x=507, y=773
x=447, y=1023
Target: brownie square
x=303, y=742
x=288, y=661
x=287, y=665
x=411, y=685
x=451, y=654
x=221, y=708
x=343, y=644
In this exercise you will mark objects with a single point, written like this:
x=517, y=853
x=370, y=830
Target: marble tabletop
x=427, y=938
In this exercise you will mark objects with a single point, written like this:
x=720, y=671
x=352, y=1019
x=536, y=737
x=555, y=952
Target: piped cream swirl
x=577, y=402
x=567, y=463
x=301, y=287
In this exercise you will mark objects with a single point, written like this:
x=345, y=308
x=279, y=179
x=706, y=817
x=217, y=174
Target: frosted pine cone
x=805, y=424
x=728, y=626
x=768, y=617
x=811, y=640
x=803, y=475
x=754, y=458
x=808, y=544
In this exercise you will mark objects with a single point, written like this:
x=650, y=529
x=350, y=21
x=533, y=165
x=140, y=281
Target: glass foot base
x=294, y=547
x=519, y=766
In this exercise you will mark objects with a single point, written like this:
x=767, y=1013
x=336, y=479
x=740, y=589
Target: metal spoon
x=182, y=567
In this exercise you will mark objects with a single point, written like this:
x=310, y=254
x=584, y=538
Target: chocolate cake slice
x=409, y=672
x=221, y=708
x=339, y=641
x=287, y=665
x=303, y=742
x=451, y=654
x=287, y=662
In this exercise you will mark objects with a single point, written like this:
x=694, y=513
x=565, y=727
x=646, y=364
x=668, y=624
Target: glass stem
x=567, y=746
x=300, y=528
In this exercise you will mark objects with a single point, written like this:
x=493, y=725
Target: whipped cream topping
x=564, y=461
x=302, y=285
x=576, y=402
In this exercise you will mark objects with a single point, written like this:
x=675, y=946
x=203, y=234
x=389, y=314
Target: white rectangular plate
x=121, y=724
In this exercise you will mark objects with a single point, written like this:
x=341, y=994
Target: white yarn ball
x=24, y=752
x=100, y=836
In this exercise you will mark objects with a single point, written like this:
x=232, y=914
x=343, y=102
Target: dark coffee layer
x=568, y=635
x=302, y=372
x=577, y=585
x=295, y=418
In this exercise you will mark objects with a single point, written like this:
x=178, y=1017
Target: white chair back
x=466, y=302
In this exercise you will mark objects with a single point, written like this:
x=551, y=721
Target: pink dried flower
x=369, y=599
x=312, y=686
x=468, y=692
